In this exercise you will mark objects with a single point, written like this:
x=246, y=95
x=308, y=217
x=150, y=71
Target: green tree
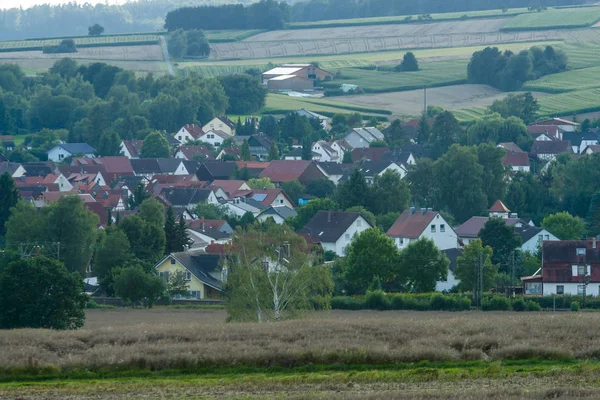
x=371, y=253
x=564, y=226
x=9, y=196
x=245, y=151
x=113, y=252
x=409, y=63
x=307, y=149
x=309, y=210
x=424, y=129
x=523, y=106
x=260, y=183
x=294, y=189
x=347, y=158
x=109, y=144
x=171, y=239
x=354, y=192
x=390, y=193
x=385, y=221
x=210, y=211
x=445, y=132
x=138, y=195
x=395, y=135
x=178, y=284
x=155, y=146
x=152, y=212
x=271, y=276
x=38, y=292
x=422, y=182
x=493, y=177
x=246, y=93
x=422, y=265
x=183, y=238
x=134, y=285
x=474, y=256
x=459, y=183
x=25, y=225
x=503, y=239
x=321, y=187
x=273, y=152
x=147, y=240
x=95, y=30
x=366, y=214
x=593, y=216
x=74, y=227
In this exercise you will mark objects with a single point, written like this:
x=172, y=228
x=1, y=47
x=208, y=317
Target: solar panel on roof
x=259, y=197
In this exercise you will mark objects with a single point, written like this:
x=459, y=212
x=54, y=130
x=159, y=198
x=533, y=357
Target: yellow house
x=203, y=273
x=222, y=123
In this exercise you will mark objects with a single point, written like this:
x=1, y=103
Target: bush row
x=378, y=300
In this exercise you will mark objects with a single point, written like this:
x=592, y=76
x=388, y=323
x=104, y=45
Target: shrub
x=347, y=303
x=496, y=303
x=439, y=302
x=533, y=306
x=397, y=302
x=376, y=301
x=575, y=306
x=518, y=304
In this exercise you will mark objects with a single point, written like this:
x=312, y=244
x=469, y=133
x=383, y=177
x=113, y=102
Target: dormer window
x=581, y=251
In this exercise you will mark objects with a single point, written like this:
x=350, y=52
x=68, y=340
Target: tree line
x=266, y=14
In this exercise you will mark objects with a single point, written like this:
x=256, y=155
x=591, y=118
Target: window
x=533, y=288
x=432, y=228
x=581, y=270
x=172, y=261
x=581, y=251
x=347, y=236
x=281, y=201
x=401, y=241
x=61, y=156
x=217, y=144
x=547, y=237
x=164, y=275
x=358, y=223
x=540, y=238
x=179, y=137
x=580, y=289
x=188, y=276
x=560, y=289
x=442, y=228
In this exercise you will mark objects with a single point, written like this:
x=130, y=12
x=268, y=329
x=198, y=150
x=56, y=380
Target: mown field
x=403, y=19
x=230, y=35
x=578, y=79
x=99, y=41
x=549, y=19
x=281, y=104
x=176, y=354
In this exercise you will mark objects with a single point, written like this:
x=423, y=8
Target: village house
x=368, y=154
x=222, y=123
x=148, y=167
x=414, y=224
x=280, y=171
x=15, y=170
x=259, y=145
x=447, y=284
x=216, y=170
x=581, y=140
x=363, y=137
x=570, y=267
x=325, y=122
x=306, y=72
x=290, y=82
x=131, y=148
x=296, y=154
x=199, y=153
x=562, y=124
x=65, y=150
x=334, y=230
x=545, y=132
x=591, y=149
x=279, y=214
x=547, y=150
x=229, y=154
x=214, y=137
x=332, y=171
x=326, y=152
x=203, y=273
x=62, y=183
x=516, y=161
x=189, y=133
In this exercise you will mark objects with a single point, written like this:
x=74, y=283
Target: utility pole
x=512, y=274
x=425, y=100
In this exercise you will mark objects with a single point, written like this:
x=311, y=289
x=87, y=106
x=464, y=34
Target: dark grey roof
x=213, y=170
x=551, y=147
x=172, y=141
x=168, y=165
x=9, y=167
x=283, y=211
x=191, y=166
x=201, y=265
x=260, y=140
x=400, y=157
x=326, y=227
x=297, y=152
x=8, y=143
x=39, y=168
x=368, y=168
x=145, y=166
x=331, y=168
x=132, y=181
x=527, y=232
x=75, y=148
x=184, y=196
x=212, y=232
x=452, y=255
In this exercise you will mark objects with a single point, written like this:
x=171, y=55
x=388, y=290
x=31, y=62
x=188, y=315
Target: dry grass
x=155, y=340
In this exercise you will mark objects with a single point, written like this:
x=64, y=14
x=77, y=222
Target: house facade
x=414, y=224
x=222, y=123
x=214, y=137
x=202, y=272
x=363, y=137
x=64, y=150
x=189, y=133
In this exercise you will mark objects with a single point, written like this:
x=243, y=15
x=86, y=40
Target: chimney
x=412, y=211
x=423, y=211
x=594, y=242
x=329, y=216
x=202, y=222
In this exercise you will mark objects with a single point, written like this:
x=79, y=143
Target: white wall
x=58, y=154
x=211, y=138
x=443, y=240
x=277, y=218
x=532, y=244
x=281, y=200
x=448, y=284
x=358, y=226
x=571, y=288
x=217, y=124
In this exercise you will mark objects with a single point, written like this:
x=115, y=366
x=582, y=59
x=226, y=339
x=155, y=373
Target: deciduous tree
x=503, y=239
x=155, y=146
x=475, y=257
x=422, y=264
x=9, y=196
x=564, y=226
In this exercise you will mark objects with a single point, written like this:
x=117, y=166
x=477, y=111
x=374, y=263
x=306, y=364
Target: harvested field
x=87, y=41
x=137, y=53
x=411, y=102
x=549, y=19
x=378, y=31
x=201, y=339
x=281, y=104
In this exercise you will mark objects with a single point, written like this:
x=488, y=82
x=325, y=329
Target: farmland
x=550, y=19
x=83, y=42
x=230, y=35
x=278, y=104
x=579, y=79
x=339, y=355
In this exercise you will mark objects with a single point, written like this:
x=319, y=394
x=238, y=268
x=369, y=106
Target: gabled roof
x=75, y=148
x=112, y=165
x=329, y=226
x=200, y=264
x=283, y=211
x=330, y=168
x=527, y=232
x=510, y=147
x=100, y=211
x=39, y=168
x=369, y=153
x=452, y=255
x=550, y=130
x=134, y=147
x=9, y=167
x=499, y=207
x=595, y=148
x=196, y=152
x=181, y=197
x=260, y=140
x=219, y=133
x=264, y=197
x=303, y=112
x=551, y=147
x=397, y=156
x=565, y=251
x=219, y=169
x=369, y=134
x=51, y=197
x=211, y=232
x=471, y=228
x=213, y=223
x=194, y=130
x=285, y=170
x=228, y=186
x=516, y=159
x=556, y=121
x=156, y=165
x=411, y=223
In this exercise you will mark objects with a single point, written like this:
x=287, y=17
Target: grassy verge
x=407, y=19
x=554, y=19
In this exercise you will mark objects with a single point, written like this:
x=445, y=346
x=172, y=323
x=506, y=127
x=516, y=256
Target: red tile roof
x=499, y=207
x=550, y=130
x=252, y=164
x=369, y=153
x=192, y=152
x=411, y=226
x=134, y=147
x=212, y=223
x=228, y=187
x=285, y=170
x=472, y=227
x=100, y=211
x=516, y=159
x=511, y=147
x=194, y=130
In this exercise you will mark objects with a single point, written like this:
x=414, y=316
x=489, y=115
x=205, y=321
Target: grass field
x=578, y=79
x=280, y=104
x=100, y=41
x=406, y=19
x=176, y=354
x=550, y=19
x=230, y=35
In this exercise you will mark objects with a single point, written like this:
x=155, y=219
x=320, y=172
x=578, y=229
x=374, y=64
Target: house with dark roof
x=334, y=230
x=187, y=198
x=371, y=169
x=207, y=234
x=229, y=154
x=279, y=214
x=363, y=137
x=581, y=140
x=200, y=153
x=563, y=124
x=64, y=150
x=368, y=154
x=510, y=147
x=332, y=171
x=259, y=145
x=222, y=123
x=39, y=168
x=218, y=224
x=213, y=170
x=15, y=170
x=8, y=145
x=591, y=149
x=545, y=132
x=516, y=161
x=295, y=154
x=280, y=171
x=547, y=150
x=569, y=267
x=414, y=224
x=203, y=272
x=113, y=168
x=325, y=122
x=148, y=167
x=532, y=237
x=189, y=133
x=131, y=148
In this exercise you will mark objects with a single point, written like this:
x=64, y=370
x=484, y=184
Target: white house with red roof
x=189, y=133
x=131, y=148
x=415, y=224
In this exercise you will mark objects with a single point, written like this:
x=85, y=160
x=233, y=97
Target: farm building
x=306, y=71
x=290, y=82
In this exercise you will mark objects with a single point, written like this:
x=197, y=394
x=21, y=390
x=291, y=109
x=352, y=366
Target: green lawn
x=440, y=73
x=563, y=18
x=279, y=103
x=581, y=54
x=406, y=18
x=577, y=79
